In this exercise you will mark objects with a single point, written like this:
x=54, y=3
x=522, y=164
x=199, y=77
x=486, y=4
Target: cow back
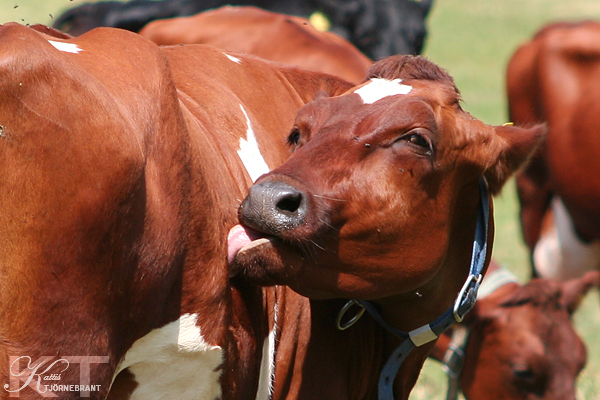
x=277, y=37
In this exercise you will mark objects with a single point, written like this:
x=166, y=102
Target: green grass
x=473, y=40
x=34, y=11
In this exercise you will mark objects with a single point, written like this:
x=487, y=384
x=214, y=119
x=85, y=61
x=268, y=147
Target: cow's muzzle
x=274, y=207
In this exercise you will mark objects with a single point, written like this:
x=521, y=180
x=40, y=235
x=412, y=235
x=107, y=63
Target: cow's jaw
x=262, y=258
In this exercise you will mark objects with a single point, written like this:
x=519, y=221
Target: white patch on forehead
x=560, y=253
x=234, y=59
x=379, y=88
x=66, y=47
x=250, y=154
x=174, y=362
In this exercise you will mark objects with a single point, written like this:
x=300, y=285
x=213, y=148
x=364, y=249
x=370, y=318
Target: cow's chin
x=266, y=261
x=261, y=259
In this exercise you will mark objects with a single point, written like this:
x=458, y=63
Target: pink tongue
x=238, y=237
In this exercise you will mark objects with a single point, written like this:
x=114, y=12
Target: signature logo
x=44, y=375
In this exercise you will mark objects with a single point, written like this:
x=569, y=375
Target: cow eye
x=417, y=141
x=294, y=136
x=525, y=378
x=523, y=372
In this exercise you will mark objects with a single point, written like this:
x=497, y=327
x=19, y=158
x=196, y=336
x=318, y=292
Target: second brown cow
x=277, y=37
x=555, y=78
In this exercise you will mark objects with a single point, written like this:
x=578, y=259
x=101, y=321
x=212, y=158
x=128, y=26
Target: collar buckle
x=466, y=297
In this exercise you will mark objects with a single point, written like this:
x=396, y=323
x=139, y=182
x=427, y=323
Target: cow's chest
x=174, y=362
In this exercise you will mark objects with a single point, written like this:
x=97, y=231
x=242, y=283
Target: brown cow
x=121, y=176
x=276, y=37
x=555, y=78
x=122, y=169
x=378, y=202
x=518, y=341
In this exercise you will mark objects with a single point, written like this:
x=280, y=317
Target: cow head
x=381, y=192
x=522, y=343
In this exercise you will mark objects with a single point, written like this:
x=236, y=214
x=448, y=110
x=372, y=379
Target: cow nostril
x=273, y=207
x=290, y=202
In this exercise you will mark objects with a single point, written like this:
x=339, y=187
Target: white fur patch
x=174, y=362
x=250, y=154
x=378, y=88
x=560, y=253
x=267, y=364
x=66, y=47
x=234, y=59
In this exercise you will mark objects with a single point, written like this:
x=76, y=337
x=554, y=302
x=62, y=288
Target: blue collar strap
x=425, y=334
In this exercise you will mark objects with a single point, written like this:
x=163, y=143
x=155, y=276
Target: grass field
x=473, y=40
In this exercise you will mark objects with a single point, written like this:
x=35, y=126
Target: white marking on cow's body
x=174, y=362
x=66, y=47
x=250, y=154
x=379, y=88
x=267, y=365
x=234, y=59
x=560, y=253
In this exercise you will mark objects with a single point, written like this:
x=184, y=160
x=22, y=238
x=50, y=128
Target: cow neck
x=454, y=358
x=425, y=334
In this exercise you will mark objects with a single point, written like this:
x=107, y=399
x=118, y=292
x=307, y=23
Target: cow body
x=553, y=79
x=518, y=341
x=123, y=172
x=377, y=28
x=276, y=37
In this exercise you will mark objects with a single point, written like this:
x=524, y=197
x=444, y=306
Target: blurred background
x=473, y=40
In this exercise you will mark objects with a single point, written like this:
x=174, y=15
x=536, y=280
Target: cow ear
x=573, y=290
x=482, y=315
x=473, y=316
x=511, y=149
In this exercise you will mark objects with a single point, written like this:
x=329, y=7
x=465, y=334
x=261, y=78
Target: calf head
x=381, y=193
x=522, y=343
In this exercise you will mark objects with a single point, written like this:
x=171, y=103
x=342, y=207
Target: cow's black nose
x=273, y=207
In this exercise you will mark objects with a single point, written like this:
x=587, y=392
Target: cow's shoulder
x=106, y=68
x=91, y=112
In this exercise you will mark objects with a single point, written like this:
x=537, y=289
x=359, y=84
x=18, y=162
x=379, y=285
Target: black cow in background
x=378, y=28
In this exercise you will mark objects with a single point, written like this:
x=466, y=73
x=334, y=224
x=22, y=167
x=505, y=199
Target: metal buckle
x=461, y=296
x=338, y=322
